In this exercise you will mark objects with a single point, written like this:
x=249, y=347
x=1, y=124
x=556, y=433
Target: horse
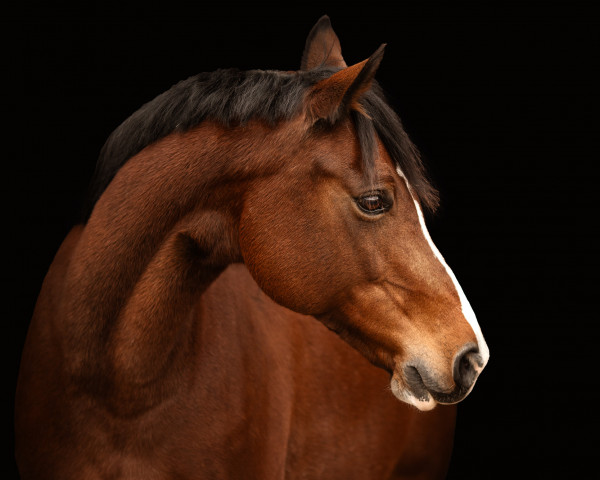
x=251, y=293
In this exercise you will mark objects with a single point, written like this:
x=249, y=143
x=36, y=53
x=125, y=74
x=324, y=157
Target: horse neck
x=160, y=234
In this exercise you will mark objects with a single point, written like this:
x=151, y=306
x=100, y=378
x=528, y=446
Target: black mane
x=232, y=97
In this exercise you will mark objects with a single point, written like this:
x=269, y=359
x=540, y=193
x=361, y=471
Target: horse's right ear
x=322, y=47
x=334, y=96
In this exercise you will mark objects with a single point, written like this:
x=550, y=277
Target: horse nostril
x=467, y=367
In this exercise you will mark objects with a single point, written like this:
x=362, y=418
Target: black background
x=500, y=100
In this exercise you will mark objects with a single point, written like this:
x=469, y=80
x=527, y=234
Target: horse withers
x=251, y=291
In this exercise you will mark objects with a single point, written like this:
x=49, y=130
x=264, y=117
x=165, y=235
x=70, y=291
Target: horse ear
x=329, y=99
x=322, y=47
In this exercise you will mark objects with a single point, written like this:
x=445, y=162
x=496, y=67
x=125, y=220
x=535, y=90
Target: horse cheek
x=289, y=268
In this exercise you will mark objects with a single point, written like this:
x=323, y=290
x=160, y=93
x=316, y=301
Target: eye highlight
x=373, y=203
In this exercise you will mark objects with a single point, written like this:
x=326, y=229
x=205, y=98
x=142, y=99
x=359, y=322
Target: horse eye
x=373, y=203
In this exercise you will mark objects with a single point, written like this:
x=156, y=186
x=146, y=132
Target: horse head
x=338, y=232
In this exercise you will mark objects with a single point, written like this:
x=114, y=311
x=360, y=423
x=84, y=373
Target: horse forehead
x=341, y=137
x=383, y=159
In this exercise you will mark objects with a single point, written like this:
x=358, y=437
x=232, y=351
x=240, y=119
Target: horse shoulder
x=45, y=327
x=41, y=384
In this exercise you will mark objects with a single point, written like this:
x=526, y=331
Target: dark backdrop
x=500, y=101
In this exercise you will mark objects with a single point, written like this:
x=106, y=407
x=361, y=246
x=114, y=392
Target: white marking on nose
x=467, y=310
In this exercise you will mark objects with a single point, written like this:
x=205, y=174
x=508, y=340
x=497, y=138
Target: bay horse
x=252, y=293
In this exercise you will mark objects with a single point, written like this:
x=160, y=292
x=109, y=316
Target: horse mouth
x=408, y=386
x=425, y=389
x=417, y=386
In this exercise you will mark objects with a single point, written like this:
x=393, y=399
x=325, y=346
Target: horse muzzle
x=419, y=385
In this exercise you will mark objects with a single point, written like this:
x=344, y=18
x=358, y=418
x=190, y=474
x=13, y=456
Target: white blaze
x=467, y=310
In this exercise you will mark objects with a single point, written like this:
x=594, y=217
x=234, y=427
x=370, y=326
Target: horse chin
x=422, y=399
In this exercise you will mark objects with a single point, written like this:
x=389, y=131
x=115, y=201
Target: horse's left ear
x=329, y=99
